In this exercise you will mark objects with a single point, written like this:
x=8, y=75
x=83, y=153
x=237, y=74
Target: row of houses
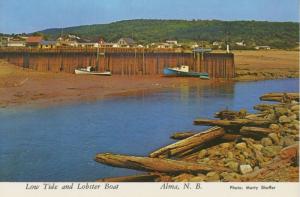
x=67, y=41
x=76, y=41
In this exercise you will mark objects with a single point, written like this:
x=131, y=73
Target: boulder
x=271, y=151
x=258, y=146
x=182, y=177
x=281, y=111
x=233, y=165
x=274, y=127
x=287, y=141
x=293, y=117
x=225, y=145
x=274, y=137
x=241, y=146
x=244, y=169
x=212, y=176
x=198, y=178
x=266, y=141
x=230, y=176
x=284, y=119
x=295, y=108
x=202, y=154
x=230, y=155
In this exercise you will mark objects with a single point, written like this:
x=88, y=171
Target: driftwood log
x=182, y=135
x=232, y=123
x=264, y=107
x=189, y=144
x=155, y=164
x=256, y=131
x=280, y=97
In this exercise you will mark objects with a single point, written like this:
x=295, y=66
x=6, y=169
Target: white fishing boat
x=91, y=71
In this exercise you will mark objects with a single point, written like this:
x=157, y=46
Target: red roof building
x=34, y=41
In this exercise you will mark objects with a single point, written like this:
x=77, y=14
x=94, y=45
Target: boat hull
x=84, y=72
x=176, y=73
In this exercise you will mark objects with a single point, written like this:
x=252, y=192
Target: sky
x=17, y=16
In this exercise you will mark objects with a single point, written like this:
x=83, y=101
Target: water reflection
x=59, y=143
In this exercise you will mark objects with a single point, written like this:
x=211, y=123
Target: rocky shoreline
x=239, y=147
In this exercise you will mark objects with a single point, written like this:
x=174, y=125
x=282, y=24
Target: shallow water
x=59, y=143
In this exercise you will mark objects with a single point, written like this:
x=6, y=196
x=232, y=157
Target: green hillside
x=274, y=34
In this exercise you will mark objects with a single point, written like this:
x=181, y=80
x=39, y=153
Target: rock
x=271, y=117
x=242, y=158
x=212, y=176
x=281, y=111
x=202, y=154
x=182, y=177
x=198, y=178
x=225, y=145
x=287, y=141
x=165, y=178
x=292, y=131
x=244, y=169
x=271, y=151
x=230, y=155
x=266, y=141
x=241, y=146
x=295, y=108
x=256, y=168
x=230, y=176
x=258, y=146
x=284, y=119
x=274, y=137
x=242, y=113
x=246, y=154
x=274, y=127
x=293, y=117
x=233, y=165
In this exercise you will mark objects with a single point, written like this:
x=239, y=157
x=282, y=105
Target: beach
x=19, y=86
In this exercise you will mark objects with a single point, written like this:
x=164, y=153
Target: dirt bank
x=20, y=86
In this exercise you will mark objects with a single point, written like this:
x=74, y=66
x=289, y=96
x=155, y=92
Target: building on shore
x=12, y=42
x=126, y=42
x=34, y=41
x=48, y=44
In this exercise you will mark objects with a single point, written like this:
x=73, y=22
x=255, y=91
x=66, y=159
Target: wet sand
x=20, y=86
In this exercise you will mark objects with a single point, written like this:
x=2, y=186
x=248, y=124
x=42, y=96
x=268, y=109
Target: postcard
x=149, y=98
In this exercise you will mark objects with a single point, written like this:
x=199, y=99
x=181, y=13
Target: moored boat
x=90, y=71
x=183, y=71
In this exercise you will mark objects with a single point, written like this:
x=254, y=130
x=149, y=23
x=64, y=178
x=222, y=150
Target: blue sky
x=18, y=16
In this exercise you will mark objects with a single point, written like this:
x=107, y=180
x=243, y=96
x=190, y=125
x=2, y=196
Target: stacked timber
x=238, y=147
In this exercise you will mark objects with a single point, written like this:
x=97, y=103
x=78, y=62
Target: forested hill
x=274, y=34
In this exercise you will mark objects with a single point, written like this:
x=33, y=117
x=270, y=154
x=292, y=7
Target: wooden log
x=131, y=178
x=232, y=123
x=182, y=135
x=264, y=107
x=189, y=143
x=155, y=164
x=280, y=97
x=256, y=130
x=230, y=137
x=230, y=115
